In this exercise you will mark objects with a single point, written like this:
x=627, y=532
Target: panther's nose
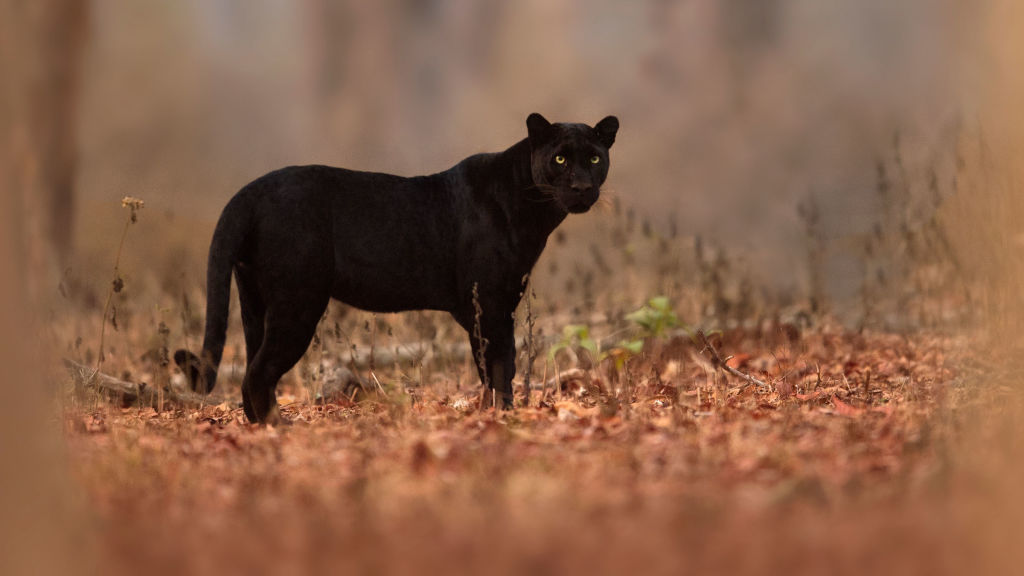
x=581, y=185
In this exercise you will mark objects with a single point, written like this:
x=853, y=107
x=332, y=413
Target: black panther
x=299, y=236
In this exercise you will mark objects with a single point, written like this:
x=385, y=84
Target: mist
x=733, y=112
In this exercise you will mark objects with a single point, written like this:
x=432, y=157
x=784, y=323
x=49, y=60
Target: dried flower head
x=133, y=204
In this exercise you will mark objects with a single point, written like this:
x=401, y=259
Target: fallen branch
x=569, y=375
x=718, y=362
x=130, y=393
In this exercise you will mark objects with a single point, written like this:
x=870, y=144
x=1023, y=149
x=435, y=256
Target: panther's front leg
x=500, y=362
x=492, y=339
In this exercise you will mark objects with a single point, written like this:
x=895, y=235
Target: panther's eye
x=559, y=159
x=595, y=159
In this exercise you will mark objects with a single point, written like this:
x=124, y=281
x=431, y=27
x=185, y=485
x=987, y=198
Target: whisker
x=540, y=188
x=547, y=193
x=542, y=200
x=603, y=206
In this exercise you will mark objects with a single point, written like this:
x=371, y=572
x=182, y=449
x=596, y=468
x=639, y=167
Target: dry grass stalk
x=722, y=363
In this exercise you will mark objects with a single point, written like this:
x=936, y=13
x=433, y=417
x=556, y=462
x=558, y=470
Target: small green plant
x=623, y=351
x=576, y=337
x=655, y=318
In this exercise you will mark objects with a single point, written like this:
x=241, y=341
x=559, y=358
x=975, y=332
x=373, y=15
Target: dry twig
x=117, y=284
x=564, y=376
x=130, y=393
x=718, y=362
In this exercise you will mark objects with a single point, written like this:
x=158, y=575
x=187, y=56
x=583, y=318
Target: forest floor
x=865, y=453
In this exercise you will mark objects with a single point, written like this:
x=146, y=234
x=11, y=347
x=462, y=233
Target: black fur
x=302, y=235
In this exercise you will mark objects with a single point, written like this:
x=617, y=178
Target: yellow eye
x=559, y=159
x=595, y=159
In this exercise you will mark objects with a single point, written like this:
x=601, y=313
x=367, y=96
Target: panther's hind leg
x=254, y=311
x=288, y=331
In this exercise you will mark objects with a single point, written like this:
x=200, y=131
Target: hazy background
x=732, y=111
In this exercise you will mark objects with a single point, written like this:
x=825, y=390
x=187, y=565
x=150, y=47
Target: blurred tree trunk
x=51, y=41
x=38, y=531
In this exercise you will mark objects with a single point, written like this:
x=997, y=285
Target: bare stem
x=481, y=342
x=531, y=350
x=110, y=291
x=718, y=362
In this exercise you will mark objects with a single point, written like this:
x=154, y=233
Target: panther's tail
x=230, y=233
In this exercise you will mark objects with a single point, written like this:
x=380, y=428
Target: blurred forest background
x=861, y=159
x=734, y=113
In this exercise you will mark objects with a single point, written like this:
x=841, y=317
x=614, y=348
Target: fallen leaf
x=844, y=409
x=737, y=360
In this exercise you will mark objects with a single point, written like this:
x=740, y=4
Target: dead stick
x=718, y=362
x=568, y=375
x=90, y=377
x=129, y=392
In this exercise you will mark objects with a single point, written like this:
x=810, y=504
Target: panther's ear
x=606, y=130
x=537, y=126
